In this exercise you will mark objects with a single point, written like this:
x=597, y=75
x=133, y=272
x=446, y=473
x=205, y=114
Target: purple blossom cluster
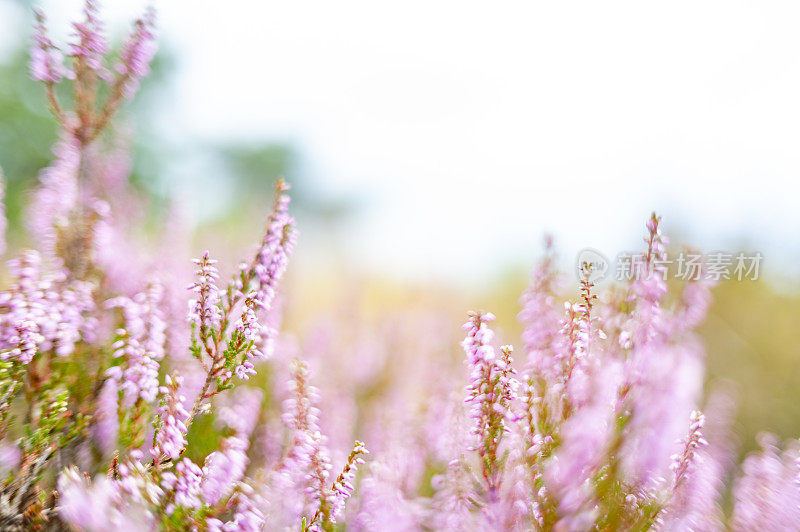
x=344, y=486
x=47, y=62
x=279, y=240
x=251, y=330
x=184, y=484
x=138, y=51
x=90, y=45
x=43, y=310
x=204, y=312
x=247, y=516
x=117, y=410
x=223, y=469
x=170, y=440
x=140, y=346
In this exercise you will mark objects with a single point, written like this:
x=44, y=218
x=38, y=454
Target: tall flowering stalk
x=224, y=354
x=204, y=312
x=307, y=463
x=683, y=461
x=140, y=348
x=223, y=469
x=332, y=500
x=169, y=440
x=490, y=393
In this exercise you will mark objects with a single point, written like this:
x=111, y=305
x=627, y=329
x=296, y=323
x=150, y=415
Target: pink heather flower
x=105, y=503
x=185, y=485
x=453, y=499
x=144, y=319
x=223, y=469
x=662, y=368
x=204, y=312
x=10, y=457
x=666, y=390
x=476, y=344
x=278, y=244
x=492, y=385
x=251, y=330
x=541, y=315
x=383, y=504
x=585, y=435
x=649, y=276
x=572, y=350
x=26, y=306
x=139, y=378
x=239, y=410
x=766, y=494
x=91, y=45
x=299, y=411
x=81, y=504
x=124, y=265
x=135, y=484
x=26, y=338
x=656, y=241
x=682, y=462
x=46, y=63
x=301, y=415
x=105, y=426
x=319, y=468
x=137, y=52
x=270, y=265
x=102, y=504
x=695, y=302
x=247, y=516
x=75, y=306
x=343, y=487
x=490, y=393
x=307, y=464
x=248, y=324
x=56, y=196
x=695, y=502
x=52, y=313
x=170, y=440
x=695, y=505
x=244, y=370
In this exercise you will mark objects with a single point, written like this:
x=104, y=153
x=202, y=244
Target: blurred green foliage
x=27, y=132
x=256, y=167
x=751, y=338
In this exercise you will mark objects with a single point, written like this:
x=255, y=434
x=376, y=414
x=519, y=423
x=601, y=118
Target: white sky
x=470, y=128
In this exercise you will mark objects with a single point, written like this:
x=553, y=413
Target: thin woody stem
x=55, y=105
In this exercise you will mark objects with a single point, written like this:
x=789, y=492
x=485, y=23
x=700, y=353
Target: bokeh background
x=431, y=145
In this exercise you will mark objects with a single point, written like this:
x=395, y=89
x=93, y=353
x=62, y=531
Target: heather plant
x=121, y=409
x=101, y=376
